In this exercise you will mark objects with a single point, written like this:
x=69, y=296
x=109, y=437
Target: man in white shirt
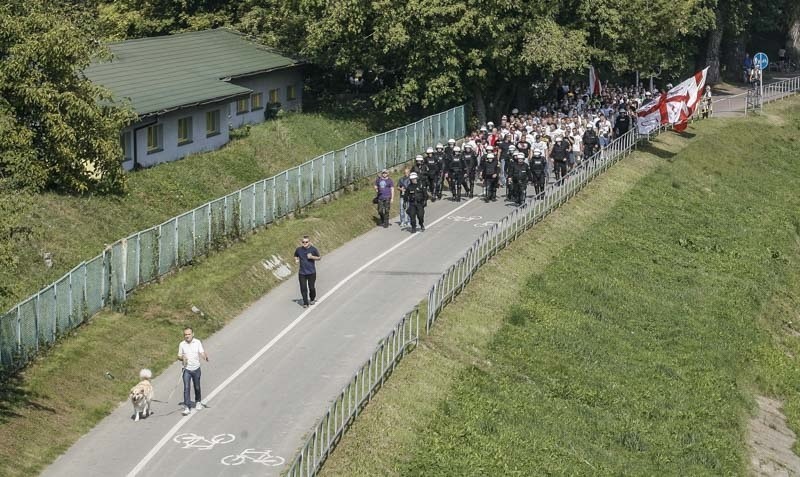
x=189, y=352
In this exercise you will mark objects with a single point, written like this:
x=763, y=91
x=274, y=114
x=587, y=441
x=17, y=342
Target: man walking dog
x=190, y=351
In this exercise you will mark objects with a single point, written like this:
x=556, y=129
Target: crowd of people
x=522, y=148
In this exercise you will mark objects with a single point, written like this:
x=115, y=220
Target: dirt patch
x=771, y=441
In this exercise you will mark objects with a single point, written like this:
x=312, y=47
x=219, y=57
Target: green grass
x=627, y=334
x=46, y=409
x=74, y=229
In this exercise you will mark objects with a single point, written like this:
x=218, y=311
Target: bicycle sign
x=459, y=218
x=488, y=223
x=263, y=457
x=761, y=60
x=190, y=440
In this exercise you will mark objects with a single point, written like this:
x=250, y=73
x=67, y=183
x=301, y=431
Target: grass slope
x=625, y=335
x=45, y=409
x=74, y=229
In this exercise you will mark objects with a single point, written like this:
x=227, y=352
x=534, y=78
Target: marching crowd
x=520, y=149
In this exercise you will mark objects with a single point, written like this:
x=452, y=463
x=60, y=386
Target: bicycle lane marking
x=178, y=425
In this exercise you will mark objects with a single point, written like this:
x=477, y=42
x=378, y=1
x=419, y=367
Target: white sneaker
x=199, y=406
x=186, y=411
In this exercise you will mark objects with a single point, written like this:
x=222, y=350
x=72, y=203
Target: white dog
x=142, y=394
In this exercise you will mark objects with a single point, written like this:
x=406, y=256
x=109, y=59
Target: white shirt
x=192, y=351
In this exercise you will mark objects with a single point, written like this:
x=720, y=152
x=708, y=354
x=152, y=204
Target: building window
x=273, y=96
x=184, y=131
x=242, y=106
x=212, y=123
x=291, y=92
x=155, y=138
x=126, y=144
x=257, y=101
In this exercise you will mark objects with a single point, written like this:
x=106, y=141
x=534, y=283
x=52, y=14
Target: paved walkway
x=275, y=368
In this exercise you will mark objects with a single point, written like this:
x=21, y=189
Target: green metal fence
x=111, y=276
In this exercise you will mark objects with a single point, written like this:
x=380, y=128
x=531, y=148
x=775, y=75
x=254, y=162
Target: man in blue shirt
x=307, y=255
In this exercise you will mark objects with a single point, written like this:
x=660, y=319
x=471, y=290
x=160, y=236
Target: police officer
x=470, y=159
x=416, y=198
x=455, y=173
x=490, y=170
x=622, y=124
x=538, y=171
x=591, y=143
x=432, y=172
x=520, y=174
x=559, y=152
x=443, y=162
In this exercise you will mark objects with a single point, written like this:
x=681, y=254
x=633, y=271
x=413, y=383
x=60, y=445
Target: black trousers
x=456, y=179
x=416, y=213
x=518, y=191
x=307, y=289
x=539, y=183
x=491, y=187
x=561, y=169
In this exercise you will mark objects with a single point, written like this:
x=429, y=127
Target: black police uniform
x=520, y=175
x=442, y=160
x=623, y=123
x=416, y=198
x=490, y=170
x=455, y=175
x=591, y=143
x=539, y=173
x=471, y=167
x=431, y=174
x=560, y=154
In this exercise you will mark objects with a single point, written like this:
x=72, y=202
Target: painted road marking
x=458, y=218
x=263, y=457
x=190, y=440
x=272, y=342
x=488, y=223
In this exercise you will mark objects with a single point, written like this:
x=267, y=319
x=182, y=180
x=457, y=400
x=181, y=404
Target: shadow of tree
x=13, y=397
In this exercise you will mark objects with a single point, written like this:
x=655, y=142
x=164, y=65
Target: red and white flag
x=595, y=88
x=674, y=107
x=651, y=114
x=682, y=99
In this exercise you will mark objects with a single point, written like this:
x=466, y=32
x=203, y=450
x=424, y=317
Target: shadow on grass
x=649, y=148
x=14, y=397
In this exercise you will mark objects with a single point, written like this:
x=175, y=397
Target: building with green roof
x=190, y=89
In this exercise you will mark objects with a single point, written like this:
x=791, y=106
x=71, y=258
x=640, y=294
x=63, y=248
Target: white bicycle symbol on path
x=459, y=218
x=190, y=440
x=264, y=457
x=485, y=224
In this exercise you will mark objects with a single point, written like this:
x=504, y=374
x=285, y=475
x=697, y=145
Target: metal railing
x=325, y=436
x=144, y=256
x=329, y=429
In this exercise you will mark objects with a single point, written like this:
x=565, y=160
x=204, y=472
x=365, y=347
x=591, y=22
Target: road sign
x=761, y=61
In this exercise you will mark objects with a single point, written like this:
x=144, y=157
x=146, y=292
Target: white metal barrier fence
x=144, y=256
x=331, y=427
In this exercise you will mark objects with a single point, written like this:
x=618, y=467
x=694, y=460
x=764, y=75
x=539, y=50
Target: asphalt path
x=275, y=368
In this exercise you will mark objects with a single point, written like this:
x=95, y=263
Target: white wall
x=171, y=151
x=263, y=84
x=227, y=117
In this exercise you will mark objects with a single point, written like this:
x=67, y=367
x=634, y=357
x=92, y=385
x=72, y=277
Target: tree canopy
x=60, y=131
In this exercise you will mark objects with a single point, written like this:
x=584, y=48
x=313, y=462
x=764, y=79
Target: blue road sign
x=761, y=61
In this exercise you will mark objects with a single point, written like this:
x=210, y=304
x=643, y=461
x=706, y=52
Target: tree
x=60, y=130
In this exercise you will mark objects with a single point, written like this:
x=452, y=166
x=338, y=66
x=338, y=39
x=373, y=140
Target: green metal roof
x=163, y=73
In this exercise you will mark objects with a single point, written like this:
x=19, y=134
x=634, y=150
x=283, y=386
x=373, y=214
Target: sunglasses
x=305, y=241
